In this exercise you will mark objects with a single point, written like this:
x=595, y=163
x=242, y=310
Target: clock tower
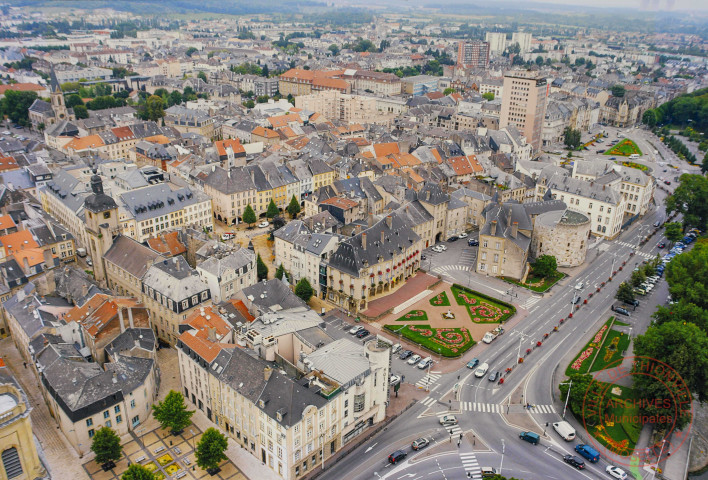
x=101, y=225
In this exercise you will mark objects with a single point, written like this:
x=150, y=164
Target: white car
x=355, y=329
x=437, y=249
x=448, y=420
x=462, y=235
x=395, y=348
x=579, y=286
x=395, y=379
x=616, y=472
x=414, y=359
x=427, y=361
x=263, y=224
x=442, y=247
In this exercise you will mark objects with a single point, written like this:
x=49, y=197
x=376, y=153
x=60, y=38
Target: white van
x=564, y=430
x=482, y=370
x=634, y=155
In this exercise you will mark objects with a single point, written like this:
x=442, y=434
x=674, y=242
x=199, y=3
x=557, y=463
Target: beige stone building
x=562, y=234
x=524, y=105
x=20, y=460
x=347, y=108
x=126, y=263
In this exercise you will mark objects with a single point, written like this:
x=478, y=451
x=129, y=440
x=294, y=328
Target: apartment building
x=473, y=54
x=347, y=108
x=230, y=191
x=524, y=105
x=126, y=263
x=228, y=273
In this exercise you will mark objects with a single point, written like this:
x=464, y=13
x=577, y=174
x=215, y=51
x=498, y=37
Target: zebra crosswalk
x=448, y=268
x=428, y=401
x=531, y=301
x=497, y=408
x=470, y=464
x=632, y=245
x=427, y=380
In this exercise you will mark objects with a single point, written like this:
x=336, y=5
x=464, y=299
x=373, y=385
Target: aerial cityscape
x=349, y=240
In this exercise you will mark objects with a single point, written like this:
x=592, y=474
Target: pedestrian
x=25, y=364
x=458, y=444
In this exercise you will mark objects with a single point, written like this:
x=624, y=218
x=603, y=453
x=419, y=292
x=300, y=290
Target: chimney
x=130, y=317
x=84, y=290
x=370, y=219
x=363, y=240
x=514, y=229
x=494, y=227
x=114, y=379
x=211, y=334
x=25, y=266
x=48, y=258
x=267, y=372
x=177, y=264
x=603, y=187
x=383, y=237
x=508, y=216
x=120, y=319
x=389, y=221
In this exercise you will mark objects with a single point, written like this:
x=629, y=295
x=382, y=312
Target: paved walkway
x=64, y=462
x=415, y=285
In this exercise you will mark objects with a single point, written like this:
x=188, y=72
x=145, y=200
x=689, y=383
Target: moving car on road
x=473, y=363
x=473, y=243
x=565, y=430
x=530, y=437
x=616, y=472
x=493, y=376
x=420, y=443
x=397, y=456
x=462, y=235
x=588, y=452
x=577, y=462
x=482, y=370
x=448, y=420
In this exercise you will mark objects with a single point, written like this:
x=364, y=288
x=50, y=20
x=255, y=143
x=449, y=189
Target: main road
x=490, y=439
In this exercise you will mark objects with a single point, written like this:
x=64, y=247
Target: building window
x=108, y=423
x=11, y=462
x=359, y=401
x=106, y=414
x=136, y=421
x=89, y=422
x=132, y=404
x=116, y=409
x=91, y=433
x=119, y=419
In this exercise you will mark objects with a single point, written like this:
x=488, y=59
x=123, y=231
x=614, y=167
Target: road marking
x=427, y=380
x=449, y=268
x=428, y=401
x=371, y=447
x=532, y=300
x=470, y=464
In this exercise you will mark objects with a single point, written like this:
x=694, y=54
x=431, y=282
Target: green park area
x=440, y=300
x=537, y=284
x=638, y=166
x=624, y=148
x=615, y=431
x=481, y=308
x=414, y=316
x=604, y=349
x=448, y=342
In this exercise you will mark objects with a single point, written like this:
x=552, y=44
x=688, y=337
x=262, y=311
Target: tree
x=539, y=60
x=106, y=446
x=249, y=104
x=687, y=276
x=488, y=96
x=172, y=412
x=265, y=71
x=280, y=272
x=571, y=138
x=617, y=90
x=202, y=75
x=649, y=118
x=73, y=100
x=154, y=108
x=261, y=269
x=691, y=199
x=704, y=165
x=682, y=311
x=684, y=347
x=584, y=391
x=190, y=51
x=210, y=449
x=304, y=290
x=637, y=278
x=175, y=98
x=249, y=216
x=137, y=472
x=15, y=105
x=625, y=293
x=545, y=266
x=80, y=111
x=673, y=231
x=272, y=209
x=293, y=207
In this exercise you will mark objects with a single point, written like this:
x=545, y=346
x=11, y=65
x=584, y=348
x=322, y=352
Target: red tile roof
x=234, y=143
x=7, y=164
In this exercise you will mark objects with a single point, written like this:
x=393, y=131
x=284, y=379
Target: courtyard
x=166, y=455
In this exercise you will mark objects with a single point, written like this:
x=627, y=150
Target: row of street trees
x=172, y=414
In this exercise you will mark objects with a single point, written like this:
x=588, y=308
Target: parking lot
x=458, y=255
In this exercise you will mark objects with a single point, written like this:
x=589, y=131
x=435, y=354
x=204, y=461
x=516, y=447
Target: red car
x=661, y=245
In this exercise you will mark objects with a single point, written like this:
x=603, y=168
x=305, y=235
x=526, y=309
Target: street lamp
x=322, y=437
x=502, y=459
x=653, y=473
x=565, y=407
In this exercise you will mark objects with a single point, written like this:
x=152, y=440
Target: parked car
x=473, y=363
x=425, y=363
x=442, y=247
x=622, y=311
x=355, y=329
x=657, y=224
x=473, y=243
x=634, y=303
x=667, y=182
x=397, y=456
x=405, y=354
x=395, y=348
x=437, y=249
x=493, y=376
x=616, y=472
x=263, y=224
x=89, y=262
x=362, y=333
x=420, y=443
x=453, y=238
x=448, y=420
x=227, y=236
x=577, y=462
x=462, y=235
x=414, y=359
x=394, y=380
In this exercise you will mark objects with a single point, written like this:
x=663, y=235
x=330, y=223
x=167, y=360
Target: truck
x=490, y=336
x=81, y=252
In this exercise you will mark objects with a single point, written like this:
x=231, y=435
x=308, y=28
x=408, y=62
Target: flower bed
x=480, y=307
x=537, y=285
x=440, y=300
x=165, y=459
x=638, y=166
x=414, y=316
x=448, y=342
x=581, y=363
x=624, y=148
x=620, y=437
x=611, y=350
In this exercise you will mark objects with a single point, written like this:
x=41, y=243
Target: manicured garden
x=440, y=300
x=610, y=353
x=619, y=403
x=643, y=168
x=536, y=284
x=414, y=316
x=480, y=307
x=448, y=342
x=624, y=148
x=600, y=347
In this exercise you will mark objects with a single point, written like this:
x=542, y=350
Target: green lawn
x=440, y=300
x=581, y=363
x=624, y=148
x=480, y=307
x=532, y=282
x=611, y=350
x=643, y=168
x=414, y=316
x=619, y=437
x=448, y=342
